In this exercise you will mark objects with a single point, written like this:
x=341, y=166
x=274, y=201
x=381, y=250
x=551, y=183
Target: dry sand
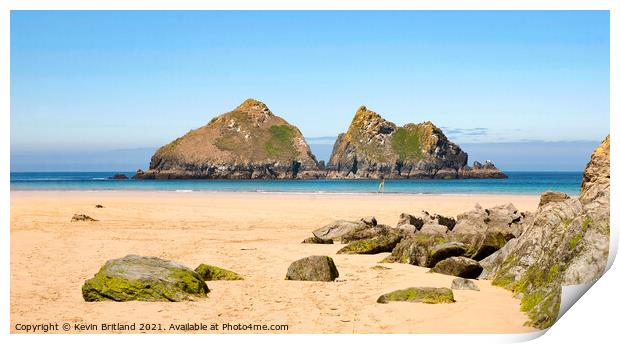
x=257, y=235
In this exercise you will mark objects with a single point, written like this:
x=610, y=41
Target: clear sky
x=123, y=80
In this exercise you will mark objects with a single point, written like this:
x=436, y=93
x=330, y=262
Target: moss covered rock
x=458, y=266
x=419, y=294
x=315, y=240
x=144, y=279
x=313, y=268
x=378, y=244
x=214, y=273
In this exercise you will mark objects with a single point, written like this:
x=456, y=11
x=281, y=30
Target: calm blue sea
x=527, y=183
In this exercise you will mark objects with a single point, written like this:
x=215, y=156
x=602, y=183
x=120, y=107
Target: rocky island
x=249, y=142
x=373, y=148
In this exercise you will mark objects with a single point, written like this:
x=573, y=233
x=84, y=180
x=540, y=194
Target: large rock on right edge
x=567, y=243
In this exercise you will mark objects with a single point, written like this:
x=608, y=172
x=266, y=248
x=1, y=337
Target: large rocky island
x=251, y=142
x=373, y=147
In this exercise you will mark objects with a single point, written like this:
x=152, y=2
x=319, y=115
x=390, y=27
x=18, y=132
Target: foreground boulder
x=458, y=266
x=567, y=243
x=249, y=142
x=214, y=273
x=144, y=279
x=419, y=294
x=378, y=244
x=460, y=283
x=313, y=268
x=82, y=218
x=315, y=240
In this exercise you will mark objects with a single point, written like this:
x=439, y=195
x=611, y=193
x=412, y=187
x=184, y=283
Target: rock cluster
x=419, y=294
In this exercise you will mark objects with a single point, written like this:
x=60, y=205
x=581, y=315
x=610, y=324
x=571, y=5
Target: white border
x=593, y=318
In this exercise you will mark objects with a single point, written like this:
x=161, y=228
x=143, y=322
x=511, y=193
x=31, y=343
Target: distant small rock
x=313, y=268
x=464, y=284
x=458, y=266
x=99, y=206
x=315, y=240
x=419, y=294
x=119, y=176
x=82, y=217
x=214, y=273
x=380, y=267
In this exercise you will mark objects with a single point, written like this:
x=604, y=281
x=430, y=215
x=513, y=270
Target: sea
x=518, y=183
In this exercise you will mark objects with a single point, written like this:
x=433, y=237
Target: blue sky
x=96, y=81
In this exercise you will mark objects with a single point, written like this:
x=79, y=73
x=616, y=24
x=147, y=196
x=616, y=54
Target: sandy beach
x=255, y=234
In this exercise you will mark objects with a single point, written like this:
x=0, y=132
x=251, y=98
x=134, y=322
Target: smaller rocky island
x=375, y=148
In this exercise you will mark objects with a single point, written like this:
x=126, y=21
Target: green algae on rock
x=214, y=273
x=313, y=268
x=378, y=244
x=137, y=278
x=419, y=294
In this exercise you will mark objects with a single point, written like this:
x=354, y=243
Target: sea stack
x=249, y=142
x=373, y=148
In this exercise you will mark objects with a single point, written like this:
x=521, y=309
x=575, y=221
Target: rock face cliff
x=249, y=142
x=373, y=148
x=567, y=243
